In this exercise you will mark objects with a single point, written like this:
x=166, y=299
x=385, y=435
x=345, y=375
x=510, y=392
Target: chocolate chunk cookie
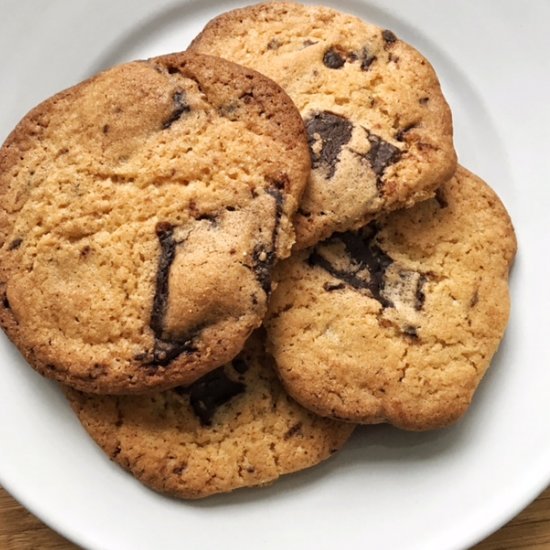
x=379, y=129
x=397, y=322
x=141, y=214
x=235, y=427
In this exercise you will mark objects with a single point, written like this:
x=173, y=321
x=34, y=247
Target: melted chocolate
x=364, y=254
x=333, y=59
x=165, y=234
x=211, y=391
x=389, y=37
x=334, y=132
x=264, y=256
x=381, y=155
x=180, y=107
x=366, y=59
x=165, y=349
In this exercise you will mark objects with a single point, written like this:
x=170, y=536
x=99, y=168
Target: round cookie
x=235, y=427
x=379, y=128
x=141, y=214
x=398, y=321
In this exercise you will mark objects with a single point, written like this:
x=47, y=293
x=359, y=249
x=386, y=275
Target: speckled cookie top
x=380, y=131
x=141, y=214
x=397, y=322
x=235, y=427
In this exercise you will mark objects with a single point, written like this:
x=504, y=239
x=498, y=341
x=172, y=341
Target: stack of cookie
x=293, y=169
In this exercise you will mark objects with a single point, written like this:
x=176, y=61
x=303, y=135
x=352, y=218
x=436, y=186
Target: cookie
x=397, y=322
x=379, y=128
x=141, y=214
x=235, y=427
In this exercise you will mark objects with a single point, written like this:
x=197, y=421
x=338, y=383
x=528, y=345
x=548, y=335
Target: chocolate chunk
x=381, y=154
x=165, y=348
x=240, y=365
x=331, y=287
x=210, y=392
x=263, y=259
x=440, y=198
x=366, y=59
x=106, y=128
x=333, y=59
x=389, y=37
x=293, y=430
x=180, y=107
x=279, y=201
x=16, y=243
x=165, y=351
x=85, y=251
x=423, y=100
x=411, y=332
x=263, y=256
x=275, y=192
x=6, y=302
x=363, y=254
x=419, y=296
x=334, y=132
x=165, y=234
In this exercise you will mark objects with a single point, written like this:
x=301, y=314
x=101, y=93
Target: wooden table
x=19, y=530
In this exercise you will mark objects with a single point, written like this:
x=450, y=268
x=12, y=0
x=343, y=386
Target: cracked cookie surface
x=235, y=427
x=141, y=214
x=397, y=322
x=379, y=128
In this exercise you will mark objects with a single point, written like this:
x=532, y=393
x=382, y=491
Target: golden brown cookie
x=379, y=128
x=235, y=427
x=141, y=214
x=398, y=322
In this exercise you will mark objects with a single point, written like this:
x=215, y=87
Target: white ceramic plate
x=387, y=489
